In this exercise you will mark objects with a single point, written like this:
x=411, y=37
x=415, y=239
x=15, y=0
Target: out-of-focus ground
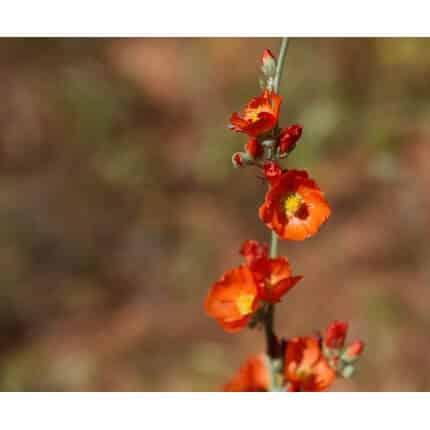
x=119, y=207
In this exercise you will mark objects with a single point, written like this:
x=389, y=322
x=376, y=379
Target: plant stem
x=274, y=245
x=273, y=349
x=271, y=341
x=280, y=64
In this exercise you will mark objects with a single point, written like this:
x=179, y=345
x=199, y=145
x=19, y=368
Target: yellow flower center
x=274, y=279
x=304, y=372
x=293, y=203
x=244, y=303
x=252, y=114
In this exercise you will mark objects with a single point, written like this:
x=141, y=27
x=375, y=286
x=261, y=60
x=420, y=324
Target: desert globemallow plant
x=294, y=208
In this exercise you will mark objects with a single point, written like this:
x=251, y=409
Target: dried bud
x=254, y=148
x=353, y=351
x=268, y=63
x=336, y=334
x=288, y=138
x=272, y=171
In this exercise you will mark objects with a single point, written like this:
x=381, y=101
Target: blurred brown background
x=119, y=207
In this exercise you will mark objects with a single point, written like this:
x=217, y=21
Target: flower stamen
x=244, y=303
x=292, y=204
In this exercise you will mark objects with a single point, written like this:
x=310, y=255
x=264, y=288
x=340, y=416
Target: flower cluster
x=309, y=363
x=241, y=291
x=294, y=208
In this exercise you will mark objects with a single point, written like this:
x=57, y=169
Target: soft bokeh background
x=119, y=207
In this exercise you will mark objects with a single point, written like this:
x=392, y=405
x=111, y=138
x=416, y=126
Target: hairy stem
x=273, y=348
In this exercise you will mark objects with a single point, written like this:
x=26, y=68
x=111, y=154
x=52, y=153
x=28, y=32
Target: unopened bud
x=268, y=63
x=240, y=159
x=288, y=138
x=254, y=148
x=272, y=171
x=336, y=334
x=253, y=250
x=237, y=159
x=353, y=351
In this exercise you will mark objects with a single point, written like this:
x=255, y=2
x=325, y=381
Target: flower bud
x=288, y=138
x=268, y=63
x=336, y=334
x=353, y=351
x=253, y=250
x=272, y=171
x=241, y=159
x=254, y=148
x=237, y=159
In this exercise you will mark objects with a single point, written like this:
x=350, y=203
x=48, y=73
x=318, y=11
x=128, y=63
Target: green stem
x=280, y=64
x=272, y=347
x=274, y=245
x=271, y=339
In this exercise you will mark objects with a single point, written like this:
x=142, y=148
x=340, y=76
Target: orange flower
x=233, y=299
x=336, y=334
x=273, y=275
x=275, y=279
x=294, y=206
x=260, y=115
x=305, y=368
x=252, y=376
